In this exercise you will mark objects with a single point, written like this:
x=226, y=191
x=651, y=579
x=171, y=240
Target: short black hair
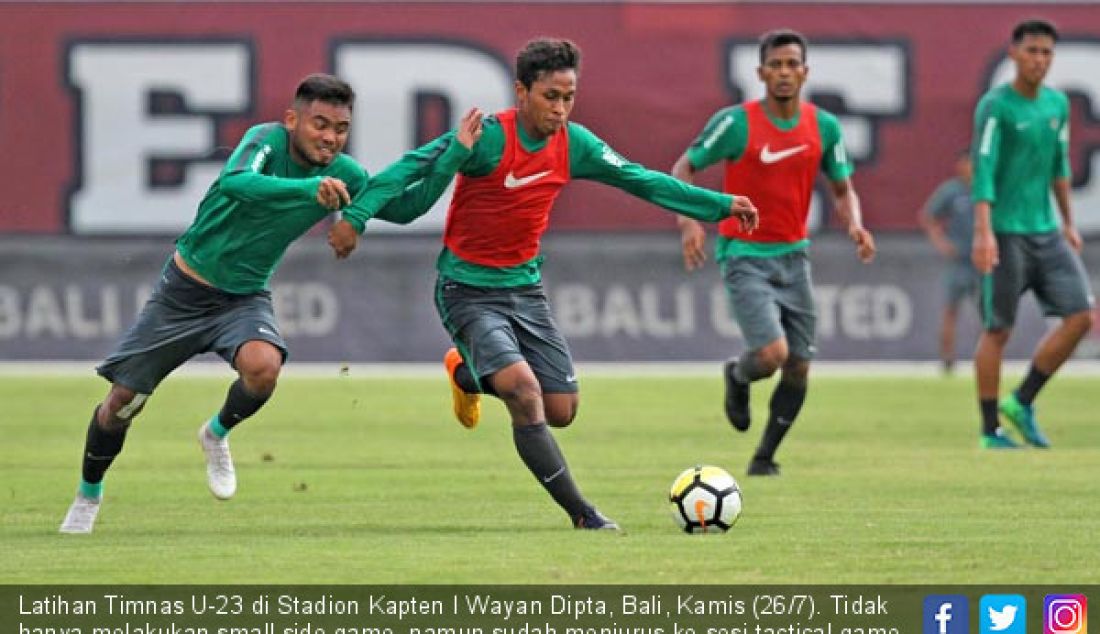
x=781, y=37
x=326, y=88
x=1033, y=27
x=546, y=55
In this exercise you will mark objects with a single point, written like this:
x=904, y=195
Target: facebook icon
x=946, y=614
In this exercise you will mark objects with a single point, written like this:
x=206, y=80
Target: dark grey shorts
x=496, y=327
x=184, y=318
x=1042, y=263
x=960, y=281
x=772, y=297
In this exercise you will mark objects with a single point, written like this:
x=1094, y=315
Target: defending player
x=212, y=295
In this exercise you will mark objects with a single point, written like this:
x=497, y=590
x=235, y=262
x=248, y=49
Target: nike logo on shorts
x=511, y=182
x=768, y=157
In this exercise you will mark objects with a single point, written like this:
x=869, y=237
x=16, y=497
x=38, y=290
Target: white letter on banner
x=119, y=135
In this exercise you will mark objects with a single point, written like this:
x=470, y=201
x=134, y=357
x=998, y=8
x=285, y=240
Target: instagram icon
x=1065, y=614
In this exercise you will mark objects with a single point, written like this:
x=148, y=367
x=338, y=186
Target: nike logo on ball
x=511, y=182
x=767, y=156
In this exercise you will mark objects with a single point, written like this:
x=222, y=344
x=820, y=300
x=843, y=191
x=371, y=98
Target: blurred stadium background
x=116, y=116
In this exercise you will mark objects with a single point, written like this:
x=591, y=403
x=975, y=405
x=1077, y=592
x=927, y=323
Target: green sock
x=91, y=490
x=217, y=428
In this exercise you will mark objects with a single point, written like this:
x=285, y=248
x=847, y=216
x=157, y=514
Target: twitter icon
x=1002, y=614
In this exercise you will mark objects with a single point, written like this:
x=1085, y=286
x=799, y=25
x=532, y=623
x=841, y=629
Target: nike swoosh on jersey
x=511, y=182
x=767, y=156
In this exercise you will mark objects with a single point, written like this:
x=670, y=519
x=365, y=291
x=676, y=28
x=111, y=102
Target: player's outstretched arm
x=409, y=187
x=847, y=206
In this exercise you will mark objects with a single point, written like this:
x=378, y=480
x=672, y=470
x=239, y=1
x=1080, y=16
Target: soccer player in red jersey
x=773, y=149
x=490, y=294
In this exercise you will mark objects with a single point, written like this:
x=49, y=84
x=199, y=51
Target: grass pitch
x=367, y=480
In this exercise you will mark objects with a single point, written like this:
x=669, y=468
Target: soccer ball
x=705, y=499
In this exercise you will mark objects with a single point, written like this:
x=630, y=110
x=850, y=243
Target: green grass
x=348, y=480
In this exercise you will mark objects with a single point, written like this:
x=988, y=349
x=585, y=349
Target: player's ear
x=290, y=118
x=521, y=92
x=760, y=72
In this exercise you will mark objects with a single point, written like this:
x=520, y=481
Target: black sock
x=748, y=368
x=239, y=405
x=786, y=403
x=465, y=379
x=1033, y=382
x=540, y=452
x=988, y=407
x=100, y=449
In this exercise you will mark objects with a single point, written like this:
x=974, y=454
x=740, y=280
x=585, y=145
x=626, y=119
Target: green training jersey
x=726, y=138
x=590, y=158
x=260, y=203
x=1020, y=148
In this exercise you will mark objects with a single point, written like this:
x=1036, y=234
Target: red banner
x=114, y=115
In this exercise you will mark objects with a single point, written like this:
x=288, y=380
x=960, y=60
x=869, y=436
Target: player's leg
x=1061, y=286
x=998, y=298
x=163, y=337
x=959, y=282
x=547, y=356
x=467, y=313
x=799, y=320
x=248, y=337
x=753, y=301
x=947, y=337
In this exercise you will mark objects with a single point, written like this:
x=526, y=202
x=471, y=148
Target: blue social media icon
x=1002, y=614
x=946, y=614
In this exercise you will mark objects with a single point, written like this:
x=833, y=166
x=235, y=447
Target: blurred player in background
x=212, y=295
x=773, y=149
x=948, y=219
x=1020, y=149
x=489, y=293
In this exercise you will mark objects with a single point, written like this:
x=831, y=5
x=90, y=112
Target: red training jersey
x=777, y=172
x=498, y=219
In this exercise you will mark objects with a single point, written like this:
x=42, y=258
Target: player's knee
x=121, y=405
x=561, y=414
x=259, y=363
x=523, y=394
x=771, y=358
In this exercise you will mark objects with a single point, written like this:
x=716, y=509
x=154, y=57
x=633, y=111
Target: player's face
x=318, y=132
x=1033, y=56
x=783, y=72
x=544, y=108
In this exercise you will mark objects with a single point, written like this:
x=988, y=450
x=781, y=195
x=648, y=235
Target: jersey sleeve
x=590, y=158
x=723, y=138
x=1062, y=168
x=243, y=176
x=435, y=162
x=834, y=156
x=986, y=149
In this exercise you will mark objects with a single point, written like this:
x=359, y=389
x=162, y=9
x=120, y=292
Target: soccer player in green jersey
x=772, y=150
x=948, y=220
x=489, y=292
x=1020, y=155
x=212, y=295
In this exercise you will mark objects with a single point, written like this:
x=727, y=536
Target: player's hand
x=1072, y=237
x=332, y=193
x=343, y=238
x=693, y=239
x=984, y=253
x=743, y=209
x=865, y=243
x=469, y=128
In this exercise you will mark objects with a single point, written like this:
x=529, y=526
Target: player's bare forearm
x=1061, y=189
x=848, y=209
x=984, y=253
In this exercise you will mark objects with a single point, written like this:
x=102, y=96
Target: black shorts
x=494, y=328
x=1042, y=263
x=184, y=318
